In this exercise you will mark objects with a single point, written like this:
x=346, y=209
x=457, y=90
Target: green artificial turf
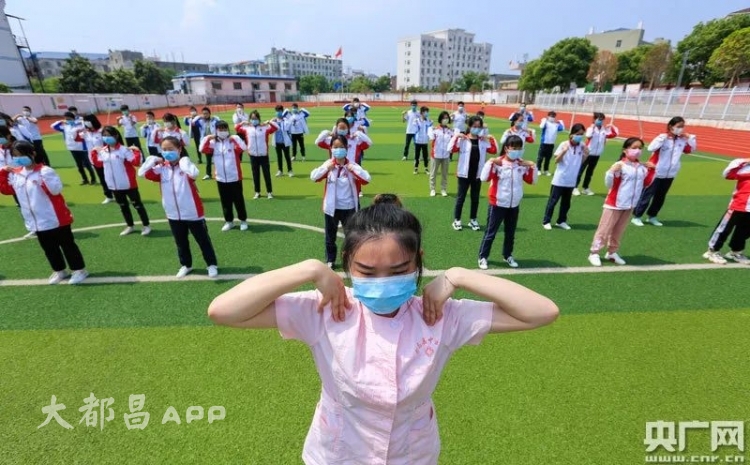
x=630, y=347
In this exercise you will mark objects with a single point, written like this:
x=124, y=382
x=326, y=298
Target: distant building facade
x=283, y=62
x=237, y=87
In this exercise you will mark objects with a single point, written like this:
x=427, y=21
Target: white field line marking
x=428, y=273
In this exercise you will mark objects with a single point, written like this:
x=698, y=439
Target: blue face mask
x=413, y=108
x=476, y=131
x=514, y=154
x=578, y=139
x=339, y=153
x=3, y=122
x=598, y=123
x=109, y=140
x=170, y=155
x=22, y=161
x=384, y=295
x=295, y=111
x=279, y=114
x=70, y=122
x=426, y=115
x=342, y=132
x=3, y=141
x=254, y=122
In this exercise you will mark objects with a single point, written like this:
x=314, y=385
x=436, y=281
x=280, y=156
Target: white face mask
x=222, y=134
x=26, y=113
x=150, y=121
x=240, y=110
x=169, y=125
x=678, y=131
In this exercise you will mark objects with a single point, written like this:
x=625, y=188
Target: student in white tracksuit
x=410, y=117
x=666, y=153
x=340, y=195
x=569, y=157
x=92, y=136
x=459, y=118
x=421, y=139
x=550, y=127
x=256, y=136
x=297, y=123
x=596, y=136
x=176, y=176
x=31, y=124
x=440, y=155
x=71, y=127
x=282, y=142
x=127, y=121
x=148, y=132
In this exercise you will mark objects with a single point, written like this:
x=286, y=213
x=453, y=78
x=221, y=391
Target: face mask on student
x=356, y=105
x=222, y=134
x=350, y=119
x=26, y=113
x=426, y=115
x=109, y=140
x=3, y=141
x=3, y=122
x=295, y=110
x=413, y=108
x=384, y=295
x=169, y=125
x=70, y=122
x=678, y=131
x=339, y=153
x=476, y=131
x=150, y=121
x=170, y=155
x=514, y=154
x=22, y=161
x=519, y=124
x=599, y=123
x=578, y=139
x=342, y=132
x=254, y=122
x=460, y=109
x=193, y=113
x=239, y=110
x=632, y=154
x=445, y=122
x=279, y=114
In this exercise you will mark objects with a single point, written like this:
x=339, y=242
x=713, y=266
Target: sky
x=224, y=31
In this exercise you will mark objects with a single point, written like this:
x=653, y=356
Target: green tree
x=309, y=85
x=530, y=80
x=51, y=85
x=629, y=65
x=121, y=81
x=444, y=87
x=4, y=89
x=732, y=59
x=655, y=63
x=415, y=89
x=78, y=76
x=603, y=69
x=359, y=84
x=150, y=78
x=701, y=43
x=382, y=84
x=471, y=81
x=564, y=63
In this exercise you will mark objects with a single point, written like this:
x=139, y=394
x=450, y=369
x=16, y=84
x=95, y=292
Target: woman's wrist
x=455, y=276
x=310, y=270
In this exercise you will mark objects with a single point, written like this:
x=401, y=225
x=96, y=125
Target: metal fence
x=707, y=104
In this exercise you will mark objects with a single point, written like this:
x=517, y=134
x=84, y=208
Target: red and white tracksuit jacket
x=226, y=157
x=119, y=163
x=39, y=194
x=342, y=184
x=739, y=170
x=526, y=135
x=506, y=181
x=179, y=195
x=441, y=141
x=596, y=138
x=179, y=134
x=356, y=144
x=93, y=139
x=462, y=146
x=667, y=152
x=627, y=185
x=256, y=137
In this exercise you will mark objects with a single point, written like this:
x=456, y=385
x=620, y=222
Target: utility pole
x=682, y=69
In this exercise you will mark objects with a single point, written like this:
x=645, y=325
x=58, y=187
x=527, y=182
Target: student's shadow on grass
x=682, y=224
x=646, y=260
x=240, y=270
x=160, y=233
x=527, y=264
x=584, y=227
x=85, y=235
x=267, y=228
x=290, y=197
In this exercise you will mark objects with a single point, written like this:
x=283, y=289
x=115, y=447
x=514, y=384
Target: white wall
x=500, y=97
x=58, y=104
x=12, y=70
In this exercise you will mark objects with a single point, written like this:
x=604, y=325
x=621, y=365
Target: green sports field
x=651, y=342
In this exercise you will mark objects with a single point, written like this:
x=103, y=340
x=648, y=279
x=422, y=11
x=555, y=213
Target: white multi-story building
x=428, y=59
x=282, y=62
x=12, y=71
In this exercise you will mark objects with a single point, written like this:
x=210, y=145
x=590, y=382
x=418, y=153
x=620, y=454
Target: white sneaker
x=474, y=225
x=279, y=174
x=426, y=170
x=564, y=226
x=404, y=159
x=270, y=195
x=213, y=271
x=547, y=226
x=637, y=222
x=227, y=226
x=457, y=225
x=588, y=192
x=291, y=174
x=432, y=193
x=548, y=173
x=127, y=231
x=78, y=277
x=576, y=192
x=30, y=235
x=107, y=200
x=256, y=196
x=58, y=276
x=294, y=158
x=330, y=265
x=146, y=231
x=184, y=271
x=654, y=222
x=595, y=259
x=444, y=194
x=206, y=177
x=614, y=257
x=483, y=264
x=361, y=195
x=511, y=262
x=243, y=226
x=738, y=257
x=715, y=257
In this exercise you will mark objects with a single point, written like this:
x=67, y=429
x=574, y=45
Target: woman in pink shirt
x=378, y=348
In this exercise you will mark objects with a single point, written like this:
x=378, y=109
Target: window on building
x=216, y=85
x=256, y=86
x=272, y=86
x=237, y=85
x=618, y=44
x=287, y=86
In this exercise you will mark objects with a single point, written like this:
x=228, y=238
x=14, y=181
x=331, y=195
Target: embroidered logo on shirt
x=428, y=344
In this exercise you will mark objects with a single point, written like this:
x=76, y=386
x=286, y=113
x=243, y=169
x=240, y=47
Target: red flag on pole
x=339, y=53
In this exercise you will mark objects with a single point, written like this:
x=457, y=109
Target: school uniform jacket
x=148, y=132
x=506, y=181
x=349, y=177
x=357, y=143
x=626, y=186
x=73, y=140
x=239, y=118
x=226, y=156
x=128, y=124
x=739, y=170
x=297, y=121
x=179, y=195
x=21, y=133
x=566, y=172
x=459, y=120
x=256, y=137
x=462, y=146
x=283, y=125
x=422, y=134
x=119, y=163
x=526, y=136
x=93, y=140
x=596, y=138
x=161, y=134
x=361, y=110
x=441, y=141
x=667, y=152
x=39, y=193
x=550, y=131
x=411, y=117
x=201, y=125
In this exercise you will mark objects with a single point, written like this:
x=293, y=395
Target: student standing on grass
x=550, y=127
x=148, y=132
x=282, y=142
x=524, y=115
x=667, y=150
x=194, y=131
x=176, y=176
x=239, y=115
x=206, y=126
x=485, y=128
x=506, y=175
x=92, y=136
x=459, y=118
x=18, y=131
x=379, y=349
x=71, y=129
x=31, y=124
x=256, y=138
x=128, y=122
x=226, y=151
x=441, y=152
x=472, y=150
x=297, y=122
x=119, y=163
x=518, y=129
x=357, y=141
x=410, y=117
x=625, y=180
x=172, y=129
x=736, y=220
x=596, y=136
x=569, y=157
x=340, y=194
x=421, y=139
x=46, y=215
x=359, y=109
